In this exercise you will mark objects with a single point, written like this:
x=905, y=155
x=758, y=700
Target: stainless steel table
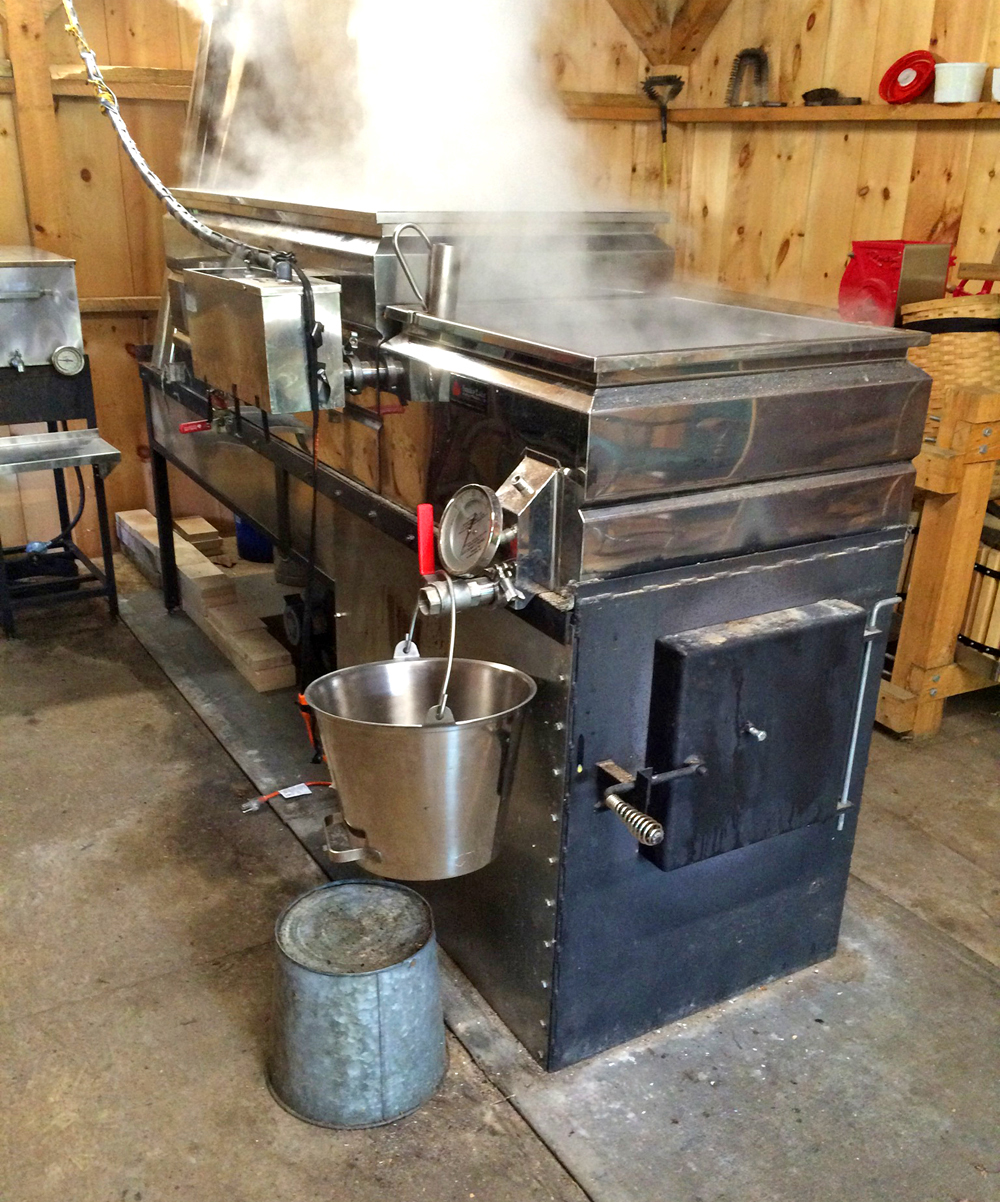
x=49, y=571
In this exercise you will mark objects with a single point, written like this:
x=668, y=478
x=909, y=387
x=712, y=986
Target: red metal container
x=882, y=275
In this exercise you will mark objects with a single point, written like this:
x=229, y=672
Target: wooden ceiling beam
x=37, y=134
x=648, y=21
x=691, y=27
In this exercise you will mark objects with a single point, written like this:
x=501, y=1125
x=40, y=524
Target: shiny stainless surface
x=429, y=800
x=444, y=274
x=379, y=223
x=39, y=307
x=231, y=467
x=614, y=339
x=734, y=429
x=645, y=536
x=509, y=951
x=357, y=1030
x=46, y=452
x=502, y=254
x=246, y=337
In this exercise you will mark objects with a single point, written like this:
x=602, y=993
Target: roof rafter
x=691, y=27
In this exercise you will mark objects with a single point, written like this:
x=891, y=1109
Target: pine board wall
x=774, y=209
x=66, y=186
x=764, y=209
x=90, y=204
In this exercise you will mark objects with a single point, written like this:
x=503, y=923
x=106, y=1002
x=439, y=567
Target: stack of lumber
x=202, y=535
x=209, y=598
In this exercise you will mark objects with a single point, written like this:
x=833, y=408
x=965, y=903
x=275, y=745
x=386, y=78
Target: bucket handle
x=443, y=703
x=402, y=258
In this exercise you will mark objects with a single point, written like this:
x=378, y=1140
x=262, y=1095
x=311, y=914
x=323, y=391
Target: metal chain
x=268, y=260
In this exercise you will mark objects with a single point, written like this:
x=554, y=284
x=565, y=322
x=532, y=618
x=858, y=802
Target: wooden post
x=37, y=133
x=957, y=476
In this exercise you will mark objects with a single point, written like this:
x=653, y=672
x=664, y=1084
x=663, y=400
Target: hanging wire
x=443, y=704
x=258, y=256
x=281, y=263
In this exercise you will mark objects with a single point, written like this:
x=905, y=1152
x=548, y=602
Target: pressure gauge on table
x=68, y=360
x=471, y=530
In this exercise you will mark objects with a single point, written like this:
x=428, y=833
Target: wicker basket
x=957, y=358
x=953, y=306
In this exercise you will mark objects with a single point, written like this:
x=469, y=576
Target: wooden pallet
x=956, y=475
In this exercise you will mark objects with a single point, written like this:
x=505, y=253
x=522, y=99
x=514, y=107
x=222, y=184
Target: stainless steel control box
x=248, y=338
x=39, y=309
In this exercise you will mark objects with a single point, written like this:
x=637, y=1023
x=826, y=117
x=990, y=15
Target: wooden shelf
x=128, y=83
x=614, y=106
x=838, y=113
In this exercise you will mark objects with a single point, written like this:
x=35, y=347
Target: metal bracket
x=615, y=784
x=872, y=632
x=343, y=844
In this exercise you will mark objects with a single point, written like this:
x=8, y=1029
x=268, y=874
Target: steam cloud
x=385, y=104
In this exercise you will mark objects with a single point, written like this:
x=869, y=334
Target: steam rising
x=385, y=104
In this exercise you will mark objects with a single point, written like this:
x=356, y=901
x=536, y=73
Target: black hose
x=63, y=536
x=316, y=371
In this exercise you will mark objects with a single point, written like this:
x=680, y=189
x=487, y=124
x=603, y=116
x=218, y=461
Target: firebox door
x=767, y=704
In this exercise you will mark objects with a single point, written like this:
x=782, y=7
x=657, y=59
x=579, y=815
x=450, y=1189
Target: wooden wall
x=774, y=209
x=587, y=49
x=65, y=185
x=762, y=208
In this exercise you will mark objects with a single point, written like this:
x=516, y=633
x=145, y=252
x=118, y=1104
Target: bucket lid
x=348, y=928
x=908, y=77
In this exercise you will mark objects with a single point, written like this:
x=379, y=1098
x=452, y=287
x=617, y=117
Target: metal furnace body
x=695, y=516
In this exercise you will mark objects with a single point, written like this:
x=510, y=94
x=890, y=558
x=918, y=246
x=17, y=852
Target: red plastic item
x=869, y=291
x=908, y=78
x=194, y=427
x=425, y=540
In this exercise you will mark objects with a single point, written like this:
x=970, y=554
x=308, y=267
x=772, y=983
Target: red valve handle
x=425, y=539
x=194, y=427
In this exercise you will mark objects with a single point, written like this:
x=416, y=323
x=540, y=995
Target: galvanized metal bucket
x=422, y=802
x=358, y=1035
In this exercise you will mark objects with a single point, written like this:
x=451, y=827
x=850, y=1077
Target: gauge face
x=68, y=360
x=471, y=527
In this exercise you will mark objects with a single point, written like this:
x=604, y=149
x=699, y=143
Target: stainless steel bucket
x=358, y=1034
x=423, y=803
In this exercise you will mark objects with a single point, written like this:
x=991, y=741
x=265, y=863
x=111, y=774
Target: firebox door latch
x=616, y=784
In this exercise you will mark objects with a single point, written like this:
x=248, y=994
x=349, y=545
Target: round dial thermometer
x=471, y=528
x=68, y=360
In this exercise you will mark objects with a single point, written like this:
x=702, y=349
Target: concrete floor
x=137, y=905
x=136, y=911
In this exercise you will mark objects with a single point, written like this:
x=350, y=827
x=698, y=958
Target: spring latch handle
x=646, y=830
x=617, y=783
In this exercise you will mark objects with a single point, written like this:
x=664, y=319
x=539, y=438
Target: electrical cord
x=316, y=372
x=62, y=537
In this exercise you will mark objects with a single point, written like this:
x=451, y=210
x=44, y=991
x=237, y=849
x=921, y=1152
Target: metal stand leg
x=165, y=531
x=6, y=609
x=109, y=563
